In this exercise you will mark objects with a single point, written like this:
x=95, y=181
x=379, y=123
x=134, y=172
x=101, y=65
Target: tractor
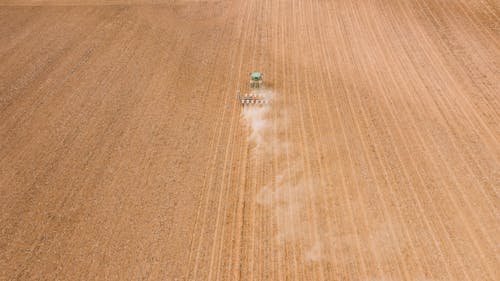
x=256, y=96
x=255, y=80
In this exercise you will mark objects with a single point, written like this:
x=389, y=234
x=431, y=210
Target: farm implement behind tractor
x=256, y=95
x=247, y=99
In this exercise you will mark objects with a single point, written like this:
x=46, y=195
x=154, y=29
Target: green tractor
x=255, y=96
x=255, y=80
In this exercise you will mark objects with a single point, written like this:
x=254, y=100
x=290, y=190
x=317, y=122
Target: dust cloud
x=256, y=118
x=295, y=196
x=290, y=192
x=259, y=120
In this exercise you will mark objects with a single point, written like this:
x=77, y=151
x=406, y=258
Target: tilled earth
x=125, y=155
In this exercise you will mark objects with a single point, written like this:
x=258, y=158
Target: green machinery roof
x=256, y=76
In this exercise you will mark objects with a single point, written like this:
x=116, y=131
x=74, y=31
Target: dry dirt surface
x=125, y=155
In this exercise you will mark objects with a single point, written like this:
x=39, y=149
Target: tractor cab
x=255, y=80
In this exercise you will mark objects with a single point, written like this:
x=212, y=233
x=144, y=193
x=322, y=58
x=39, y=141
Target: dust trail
x=292, y=192
x=295, y=197
x=260, y=121
x=288, y=194
x=257, y=118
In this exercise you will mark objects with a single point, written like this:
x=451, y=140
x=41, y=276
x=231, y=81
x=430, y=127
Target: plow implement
x=248, y=99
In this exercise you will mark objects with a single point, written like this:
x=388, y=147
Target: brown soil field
x=125, y=154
